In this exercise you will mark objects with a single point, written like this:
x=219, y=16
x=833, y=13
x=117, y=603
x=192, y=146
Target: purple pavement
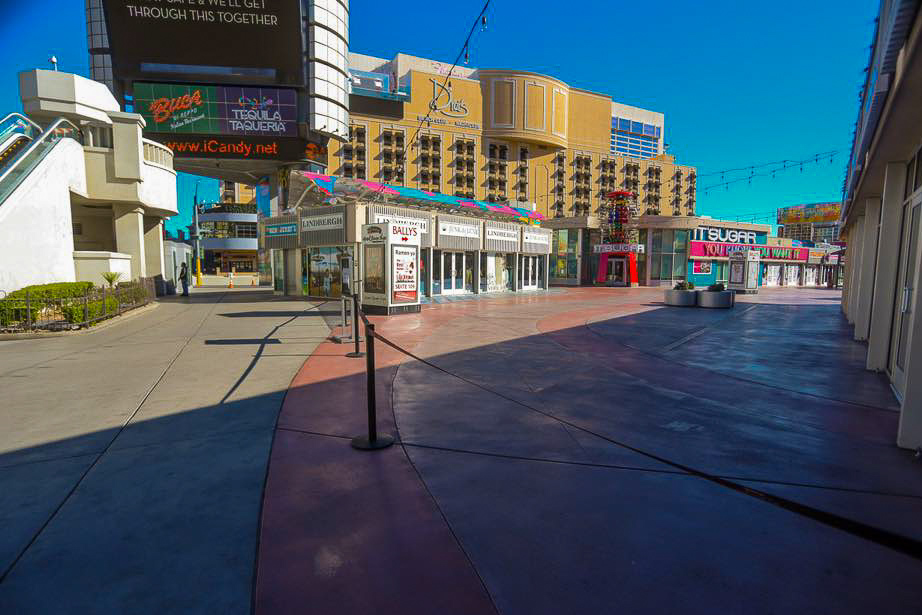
x=511, y=491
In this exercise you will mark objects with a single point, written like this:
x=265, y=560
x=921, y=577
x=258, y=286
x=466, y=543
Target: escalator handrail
x=37, y=142
x=10, y=116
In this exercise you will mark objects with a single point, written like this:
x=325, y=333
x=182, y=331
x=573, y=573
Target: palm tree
x=111, y=277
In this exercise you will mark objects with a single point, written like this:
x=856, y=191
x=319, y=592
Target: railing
x=29, y=158
x=18, y=123
x=28, y=312
x=158, y=154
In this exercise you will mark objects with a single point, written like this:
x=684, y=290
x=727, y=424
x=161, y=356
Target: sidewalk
x=522, y=500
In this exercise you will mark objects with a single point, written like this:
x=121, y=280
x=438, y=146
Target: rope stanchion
x=373, y=441
x=357, y=353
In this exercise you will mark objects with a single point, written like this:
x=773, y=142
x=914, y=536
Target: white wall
x=36, y=237
x=90, y=265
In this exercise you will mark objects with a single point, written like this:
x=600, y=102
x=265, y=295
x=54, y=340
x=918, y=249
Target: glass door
x=529, y=272
x=453, y=272
x=906, y=297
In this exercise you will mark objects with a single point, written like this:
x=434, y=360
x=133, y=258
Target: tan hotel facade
x=504, y=135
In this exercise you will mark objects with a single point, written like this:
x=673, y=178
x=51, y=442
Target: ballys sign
x=722, y=250
x=403, y=233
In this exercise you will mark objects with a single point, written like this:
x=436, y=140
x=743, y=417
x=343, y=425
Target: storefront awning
x=363, y=190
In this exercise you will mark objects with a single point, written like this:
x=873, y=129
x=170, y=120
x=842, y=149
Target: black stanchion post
x=355, y=328
x=372, y=441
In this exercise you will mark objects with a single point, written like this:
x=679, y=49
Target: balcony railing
x=157, y=154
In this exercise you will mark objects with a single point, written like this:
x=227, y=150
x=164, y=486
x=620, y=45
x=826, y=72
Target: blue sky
x=740, y=83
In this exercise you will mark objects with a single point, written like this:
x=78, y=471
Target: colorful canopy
x=359, y=188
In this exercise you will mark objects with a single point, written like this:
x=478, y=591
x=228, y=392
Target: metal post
x=86, y=306
x=355, y=354
x=104, y=302
x=372, y=441
x=28, y=312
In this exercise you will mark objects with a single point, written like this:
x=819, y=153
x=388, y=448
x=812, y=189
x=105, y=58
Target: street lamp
x=198, y=255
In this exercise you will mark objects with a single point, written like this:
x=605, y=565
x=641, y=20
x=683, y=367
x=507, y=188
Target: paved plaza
x=574, y=451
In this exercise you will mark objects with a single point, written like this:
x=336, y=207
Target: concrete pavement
x=132, y=459
x=532, y=440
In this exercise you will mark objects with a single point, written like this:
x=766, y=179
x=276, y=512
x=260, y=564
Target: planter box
x=680, y=298
x=712, y=299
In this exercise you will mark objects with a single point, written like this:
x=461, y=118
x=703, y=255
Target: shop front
x=325, y=251
x=497, y=261
x=278, y=236
x=533, y=270
x=456, y=255
x=617, y=264
x=422, y=221
x=781, y=265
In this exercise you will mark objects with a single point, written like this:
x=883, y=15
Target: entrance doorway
x=617, y=271
x=905, y=303
x=454, y=265
x=529, y=273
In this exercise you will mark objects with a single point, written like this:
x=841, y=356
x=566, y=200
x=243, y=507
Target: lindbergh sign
x=322, y=223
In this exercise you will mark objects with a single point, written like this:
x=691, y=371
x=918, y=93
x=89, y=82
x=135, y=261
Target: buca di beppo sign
x=723, y=250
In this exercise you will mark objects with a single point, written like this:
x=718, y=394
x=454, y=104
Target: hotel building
x=512, y=136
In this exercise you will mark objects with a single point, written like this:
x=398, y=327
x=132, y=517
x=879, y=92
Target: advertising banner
x=242, y=148
x=151, y=38
x=405, y=274
x=703, y=267
x=718, y=250
x=281, y=230
x=815, y=213
x=217, y=110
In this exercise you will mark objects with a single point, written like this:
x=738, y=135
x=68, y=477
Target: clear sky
x=740, y=83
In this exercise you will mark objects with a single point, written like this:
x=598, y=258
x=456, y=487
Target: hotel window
x=465, y=162
x=392, y=155
x=353, y=153
x=496, y=172
x=522, y=183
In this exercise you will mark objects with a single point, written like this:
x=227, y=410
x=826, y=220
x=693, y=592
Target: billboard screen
x=815, y=213
x=288, y=149
x=217, y=110
x=152, y=37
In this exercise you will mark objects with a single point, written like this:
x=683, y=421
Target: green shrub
x=684, y=286
x=74, y=313
x=132, y=293
x=717, y=288
x=55, y=290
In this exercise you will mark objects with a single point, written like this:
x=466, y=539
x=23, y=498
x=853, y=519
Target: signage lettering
x=421, y=223
x=531, y=237
x=457, y=229
x=281, y=230
x=618, y=247
x=711, y=233
x=443, y=102
x=721, y=250
x=322, y=223
x=501, y=234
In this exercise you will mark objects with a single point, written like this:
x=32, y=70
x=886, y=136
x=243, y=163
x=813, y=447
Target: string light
x=772, y=172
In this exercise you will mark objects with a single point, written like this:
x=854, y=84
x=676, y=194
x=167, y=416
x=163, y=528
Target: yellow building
x=506, y=135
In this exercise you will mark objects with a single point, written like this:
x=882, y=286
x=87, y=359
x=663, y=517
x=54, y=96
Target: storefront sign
x=711, y=233
x=405, y=274
x=457, y=229
x=722, y=250
x=322, y=223
x=373, y=234
x=281, y=230
x=618, y=247
x=217, y=110
x=502, y=234
x=532, y=237
x=419, y=223
x=229, y=147
x=702, y=267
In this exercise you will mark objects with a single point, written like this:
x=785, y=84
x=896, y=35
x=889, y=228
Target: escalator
x=23, y=146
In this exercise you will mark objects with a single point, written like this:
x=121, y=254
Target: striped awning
x=361, y=189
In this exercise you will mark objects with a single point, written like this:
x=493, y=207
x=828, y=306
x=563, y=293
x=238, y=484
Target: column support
x=867, y=282
x=910, y=430
x=129, y=237
x=888, y=256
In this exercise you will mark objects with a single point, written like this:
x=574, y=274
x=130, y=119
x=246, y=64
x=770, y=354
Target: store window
x=564, y=253
x=723, y=271
x=669, y=255
x=321, y=268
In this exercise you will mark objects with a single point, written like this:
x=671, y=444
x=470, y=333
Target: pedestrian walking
x=184, y=279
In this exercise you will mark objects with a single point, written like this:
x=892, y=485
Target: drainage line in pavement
x=892, y=540
x=105, y=450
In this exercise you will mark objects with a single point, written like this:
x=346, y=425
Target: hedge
x=73, y=313
x=68, y=301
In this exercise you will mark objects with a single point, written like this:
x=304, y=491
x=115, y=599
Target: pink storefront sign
x=722, y=250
